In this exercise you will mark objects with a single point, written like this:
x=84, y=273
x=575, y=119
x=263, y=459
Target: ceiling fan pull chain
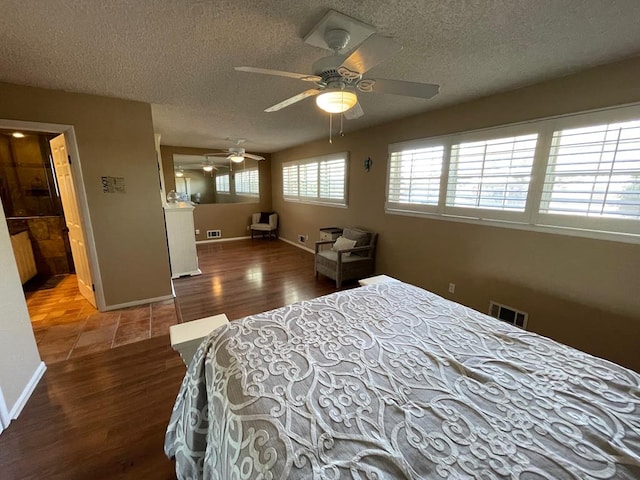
x=330, y=126
x=341, y=122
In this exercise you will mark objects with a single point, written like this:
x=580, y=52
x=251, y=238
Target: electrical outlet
x=197, y=231
x=302, y=238
x=452, y=288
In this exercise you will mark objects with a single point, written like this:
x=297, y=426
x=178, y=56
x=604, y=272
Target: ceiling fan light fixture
x=236, y=158
x=180, y=173
x=336, y=101
x=207, y=168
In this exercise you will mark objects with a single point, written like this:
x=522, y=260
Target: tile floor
x=67, y=326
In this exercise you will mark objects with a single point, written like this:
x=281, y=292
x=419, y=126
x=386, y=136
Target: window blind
x=575, y=174
x=308, y=180
x=290, y=181
x=222, y=183
x=492, y=174
x=331, y=177
x=594, y=172
x=414, y=176
x=246, y=182
x=316, y=180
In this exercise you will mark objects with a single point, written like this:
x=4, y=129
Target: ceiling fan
x=207, y=166
x=235, y=154
x=338, y=77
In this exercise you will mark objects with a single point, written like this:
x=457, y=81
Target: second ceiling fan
x=338, y=78
x=235, y=154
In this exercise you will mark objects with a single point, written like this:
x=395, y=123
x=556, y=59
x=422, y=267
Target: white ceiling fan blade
x=354, y=112
x=400, y=87
x=253, y=157
x=292, y=100
x=374, y=50
x=280, y=73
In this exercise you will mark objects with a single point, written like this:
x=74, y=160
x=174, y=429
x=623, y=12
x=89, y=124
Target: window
x=579, y=174
x=414, y=175
x=183, y=186
x=492, y=174
x=222, y=183
x=316, y=180
x=594, y=172
x=290, y=181
x=247, y=183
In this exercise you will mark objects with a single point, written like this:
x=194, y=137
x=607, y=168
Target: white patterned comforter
x=390, y=381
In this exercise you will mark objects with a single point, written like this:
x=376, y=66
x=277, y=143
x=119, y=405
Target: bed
x=391, y=381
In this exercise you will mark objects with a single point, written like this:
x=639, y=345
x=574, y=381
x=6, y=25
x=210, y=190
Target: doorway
x=33, y=210
x=65, y=166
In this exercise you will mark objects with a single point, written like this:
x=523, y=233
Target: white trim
x=531, y=219
x=318, y=200
x=4, y=413
x=28, y=390
x=138, y=302
x=232, y=239
x=558, y=230
x=81, y=194
x=296, y=244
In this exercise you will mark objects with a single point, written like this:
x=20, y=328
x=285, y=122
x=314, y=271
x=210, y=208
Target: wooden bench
x=187, y=337
x=376, y=279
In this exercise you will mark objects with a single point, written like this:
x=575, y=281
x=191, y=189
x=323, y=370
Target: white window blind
x=222, y=183
x=247, y=182
x=414, y=175
x=316, y=180
x=308, y=180
x=576, y=174
x=331, y=177
x=290, y=181
x=594, y=172
x=491, y=174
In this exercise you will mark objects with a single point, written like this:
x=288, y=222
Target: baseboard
x=138, y=302
x=28, y=390
x=295, y=244
x=232, y=239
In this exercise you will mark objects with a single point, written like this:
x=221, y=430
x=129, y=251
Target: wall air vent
x=214, y=234
x=508, y=314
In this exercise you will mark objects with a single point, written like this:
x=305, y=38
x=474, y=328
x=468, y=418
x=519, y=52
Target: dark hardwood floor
x=245, y=277
x=103, y=416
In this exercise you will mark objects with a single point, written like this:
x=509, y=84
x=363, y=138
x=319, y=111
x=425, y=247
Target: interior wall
x=580, y=291
x=115, y=138
x=232, y=219
x=19, y=357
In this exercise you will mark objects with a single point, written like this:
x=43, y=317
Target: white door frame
x=78, y=182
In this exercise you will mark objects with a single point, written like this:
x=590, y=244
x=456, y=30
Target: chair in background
x=264, y=222
x=351, y=258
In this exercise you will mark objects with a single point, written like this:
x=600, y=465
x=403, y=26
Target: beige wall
x=115, y=138
x=19, y=356
x=580, y=291
x=231, y=219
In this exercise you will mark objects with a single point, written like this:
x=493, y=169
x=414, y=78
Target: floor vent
x=214, y=234
x=508, y=314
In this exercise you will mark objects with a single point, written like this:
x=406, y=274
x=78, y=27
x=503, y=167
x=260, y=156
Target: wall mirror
x=203, y=179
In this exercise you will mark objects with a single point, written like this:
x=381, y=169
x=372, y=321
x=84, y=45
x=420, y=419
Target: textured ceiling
x=179, y=55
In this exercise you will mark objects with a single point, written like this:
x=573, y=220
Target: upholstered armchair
x=355, y=261
x=264, y=222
